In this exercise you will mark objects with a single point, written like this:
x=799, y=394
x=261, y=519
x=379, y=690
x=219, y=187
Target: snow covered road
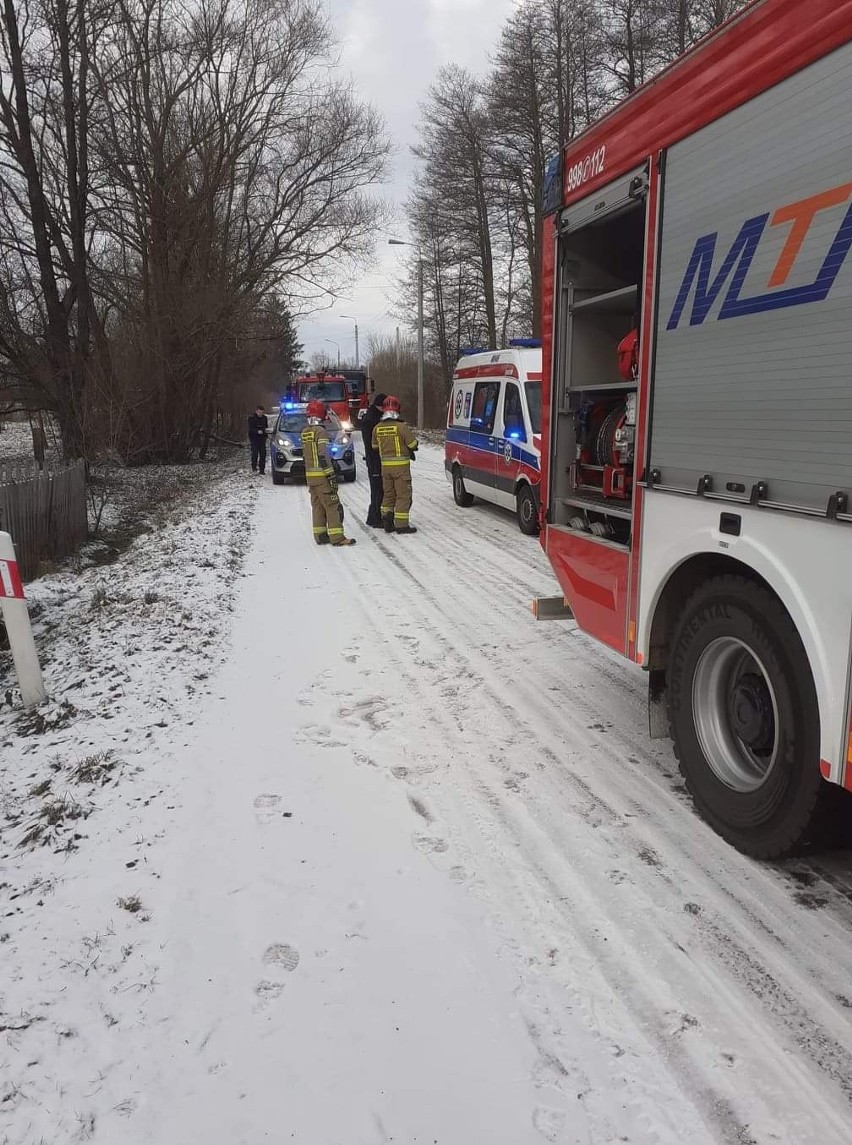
x=425, y=879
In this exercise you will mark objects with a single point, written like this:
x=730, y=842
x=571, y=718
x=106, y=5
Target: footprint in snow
x=266, y=807
x=281, y=956
x=369, y=711
x=549, y=1122
x=549, y=1072
x=267, y=992
x=318, y=734
x=429, y=844
x=306, y=696
x=364, y=760
x=650, y=857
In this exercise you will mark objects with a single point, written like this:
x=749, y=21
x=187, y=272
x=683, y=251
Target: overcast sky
x=392, y=49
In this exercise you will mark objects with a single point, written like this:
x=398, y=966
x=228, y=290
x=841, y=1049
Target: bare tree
x=393, y=366
x=455, y=150
x=711, y=14
x=48, y=319
x=634, y=38
x=573, y=80
x=685, y=21
x=173, y=181
x=236, y=176
x=517, y=100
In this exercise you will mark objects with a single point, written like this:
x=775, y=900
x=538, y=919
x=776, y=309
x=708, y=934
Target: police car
x=492, y=448
x=285, y=449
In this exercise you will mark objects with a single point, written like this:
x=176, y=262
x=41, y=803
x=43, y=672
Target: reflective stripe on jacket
x=393, y=441
x=315, y=444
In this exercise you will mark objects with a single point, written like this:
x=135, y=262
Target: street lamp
x=420, y=412
x=337, y=344
x=352, y=318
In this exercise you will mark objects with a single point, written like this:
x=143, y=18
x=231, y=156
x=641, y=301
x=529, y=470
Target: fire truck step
x=551, y=608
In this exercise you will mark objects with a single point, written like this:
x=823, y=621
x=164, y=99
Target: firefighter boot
x=406, y=529
x=345, y=541
x=387, y=521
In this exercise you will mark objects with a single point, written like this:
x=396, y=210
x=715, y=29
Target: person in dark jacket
x=368, y=423
x=257, y=428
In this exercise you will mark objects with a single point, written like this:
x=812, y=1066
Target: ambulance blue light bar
x=466, y=351
x=526, y=343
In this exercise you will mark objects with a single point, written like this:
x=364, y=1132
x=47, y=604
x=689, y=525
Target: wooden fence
x=45, y=512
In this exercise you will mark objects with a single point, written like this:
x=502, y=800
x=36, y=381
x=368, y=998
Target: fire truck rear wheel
x=462, y=498
x=527, y=511
x=744, y=718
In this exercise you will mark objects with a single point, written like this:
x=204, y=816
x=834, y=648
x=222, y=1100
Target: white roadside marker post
x=18, y=627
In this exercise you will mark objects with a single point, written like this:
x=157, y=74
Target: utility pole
x=357, y=352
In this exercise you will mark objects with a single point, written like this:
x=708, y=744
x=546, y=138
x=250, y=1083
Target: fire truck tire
x=527, y=511
x=744, y=718
x=462, y=498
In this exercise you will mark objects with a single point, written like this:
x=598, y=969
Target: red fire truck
x=361, y=389
x=329, y=388
x=697, y=410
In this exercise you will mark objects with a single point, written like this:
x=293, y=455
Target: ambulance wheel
x=744, y=718
x=527, y=511
x=462, y=498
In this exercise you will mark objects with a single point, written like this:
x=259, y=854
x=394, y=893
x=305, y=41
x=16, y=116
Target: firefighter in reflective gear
x=395, y=444
x=322, y=484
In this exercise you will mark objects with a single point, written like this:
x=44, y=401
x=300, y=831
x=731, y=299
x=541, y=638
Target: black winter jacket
x=367, y=424
x=258, y=424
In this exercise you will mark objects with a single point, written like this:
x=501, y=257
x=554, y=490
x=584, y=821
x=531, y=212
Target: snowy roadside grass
x=125, y=501
x=129, y=636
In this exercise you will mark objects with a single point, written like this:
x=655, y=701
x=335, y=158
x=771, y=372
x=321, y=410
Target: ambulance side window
x=483, y=411
x=513, y=414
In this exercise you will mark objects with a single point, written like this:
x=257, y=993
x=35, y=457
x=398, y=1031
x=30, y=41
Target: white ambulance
x=493, y=444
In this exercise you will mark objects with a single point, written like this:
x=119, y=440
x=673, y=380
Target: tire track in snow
x=448, y=729
x=628, y=685
x=828, y=1052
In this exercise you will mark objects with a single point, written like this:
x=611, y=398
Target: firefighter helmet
x=391, y=404
x=317, y=409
